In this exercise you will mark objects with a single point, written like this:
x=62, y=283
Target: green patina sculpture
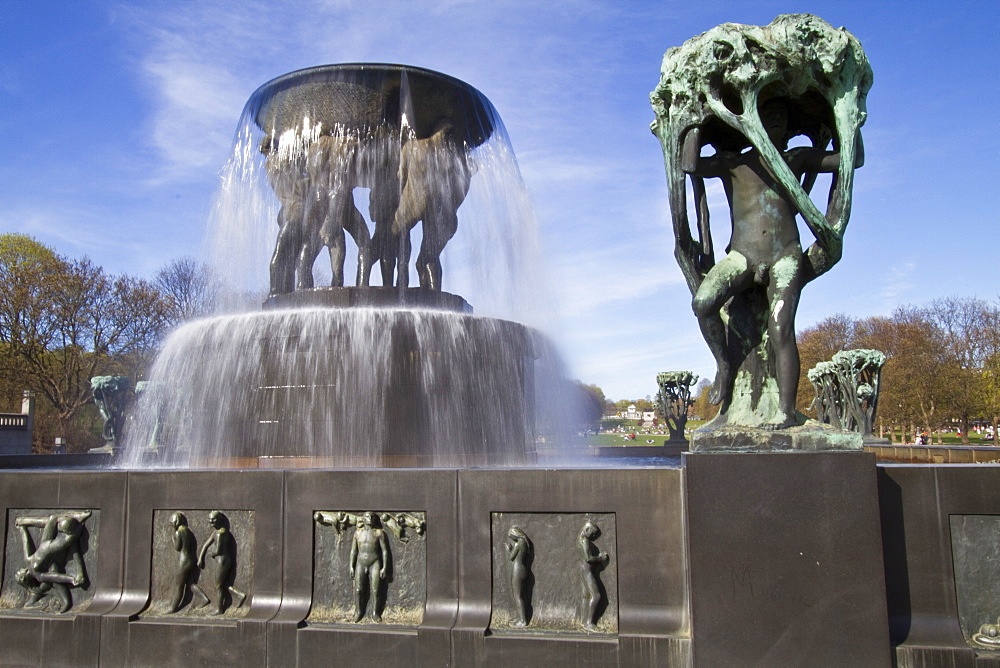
x=674, y=398
x=847, y=389
x=747, y=90
x=111, y=394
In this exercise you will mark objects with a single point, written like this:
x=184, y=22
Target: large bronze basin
x=360, y=97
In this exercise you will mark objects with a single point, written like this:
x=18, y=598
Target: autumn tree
x=592, y=401
x=941, y=361
x=64, y=321
x=914, y=361
x=645, y=404
x=702, y=408
x=819, y=344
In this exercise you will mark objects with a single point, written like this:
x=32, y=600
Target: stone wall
x=744, y=559
x=444, y=531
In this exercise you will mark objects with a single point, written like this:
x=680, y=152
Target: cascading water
x=493, y=261
x=339, y=384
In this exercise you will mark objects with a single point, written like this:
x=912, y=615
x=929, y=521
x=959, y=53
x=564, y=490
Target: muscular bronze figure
x=764, y=251
x=746, y=90
x=435, y=177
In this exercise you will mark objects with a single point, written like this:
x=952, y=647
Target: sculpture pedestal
x=369, y=297
x=785, y=558
x=810, y=437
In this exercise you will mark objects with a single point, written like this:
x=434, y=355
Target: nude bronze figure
x=591, y=561
x=518, y=548
x=764, y=251
x=187, y=564
x=435, y=174
x=745, y=91
x=224, y=555
x=369, y=558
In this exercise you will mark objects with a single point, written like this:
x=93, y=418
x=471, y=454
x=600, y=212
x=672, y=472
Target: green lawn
x=952, y=438
x=612, y=440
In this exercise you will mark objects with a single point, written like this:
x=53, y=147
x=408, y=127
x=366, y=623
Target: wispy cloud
x=545, y=168
x=629, y=371
x=898, y=281
x=590, y=280
x=193, y=65
x=76, y=230
x=200, y=63
x=570, y=78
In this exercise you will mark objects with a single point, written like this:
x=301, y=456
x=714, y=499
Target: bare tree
x=990, y=387
x=191, y=289
x=964, y=325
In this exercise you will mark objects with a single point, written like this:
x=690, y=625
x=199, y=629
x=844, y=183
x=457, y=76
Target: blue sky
x=116, y=119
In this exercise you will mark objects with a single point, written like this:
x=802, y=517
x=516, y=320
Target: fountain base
x=738, y=559
x=346, y=387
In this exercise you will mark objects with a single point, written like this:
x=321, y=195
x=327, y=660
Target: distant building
x=16, y=429
x=631, y=413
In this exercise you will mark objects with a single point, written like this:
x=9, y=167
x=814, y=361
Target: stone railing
x=12, y=421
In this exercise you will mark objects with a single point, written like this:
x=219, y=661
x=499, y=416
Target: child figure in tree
x=764, y=250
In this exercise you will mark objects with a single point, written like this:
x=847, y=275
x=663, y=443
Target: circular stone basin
x=343, y=386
